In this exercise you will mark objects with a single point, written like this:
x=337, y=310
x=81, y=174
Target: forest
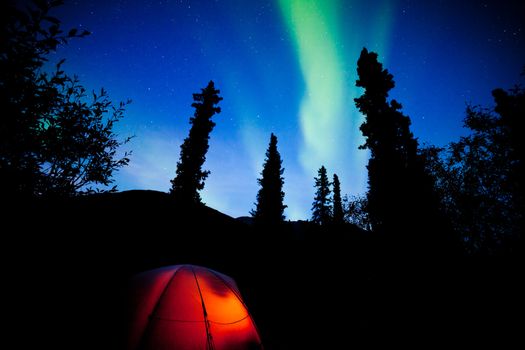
x=429, y=254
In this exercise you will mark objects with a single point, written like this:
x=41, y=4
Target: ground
x=68, y=264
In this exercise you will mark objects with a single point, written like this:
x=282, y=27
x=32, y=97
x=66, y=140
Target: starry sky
x=287, y=67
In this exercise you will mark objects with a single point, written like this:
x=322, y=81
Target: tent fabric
x=189, y=307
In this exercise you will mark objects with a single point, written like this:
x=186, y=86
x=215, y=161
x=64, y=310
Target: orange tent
x=189, y=307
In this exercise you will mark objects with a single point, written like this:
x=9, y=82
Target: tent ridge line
x=209, y=338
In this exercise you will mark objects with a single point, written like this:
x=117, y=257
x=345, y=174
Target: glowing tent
x=189, y=307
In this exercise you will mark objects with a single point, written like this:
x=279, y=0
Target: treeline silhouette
x=410, y=262
x=55, y=141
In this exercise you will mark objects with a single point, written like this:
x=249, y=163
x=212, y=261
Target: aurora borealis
x=288, y=67
x=313, y=27
x=329, y=128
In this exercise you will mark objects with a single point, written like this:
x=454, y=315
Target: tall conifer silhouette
x=269, y=207
x=321, y=210
x=338, y=214
x=401, y=197
x=190, y=176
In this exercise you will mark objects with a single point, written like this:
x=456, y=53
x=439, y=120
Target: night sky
x=287, y=67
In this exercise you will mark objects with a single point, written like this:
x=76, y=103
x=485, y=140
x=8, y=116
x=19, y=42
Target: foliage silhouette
x=190, y=176
x=52, y=141
x=401, y=197
x=269, y=207
x=355, y=211
x=321, y=207
x=480, y=176
x=338, y=214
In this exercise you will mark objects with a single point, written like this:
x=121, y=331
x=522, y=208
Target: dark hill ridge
x=162, y=231
x=132, y=229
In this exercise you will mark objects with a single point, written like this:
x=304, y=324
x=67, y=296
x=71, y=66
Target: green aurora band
x=328, y=119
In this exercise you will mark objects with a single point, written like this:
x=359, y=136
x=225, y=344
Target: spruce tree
x=321, y=211
x=338, y=214
x=401, y=198
x=190, y=176
x=269, y=207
